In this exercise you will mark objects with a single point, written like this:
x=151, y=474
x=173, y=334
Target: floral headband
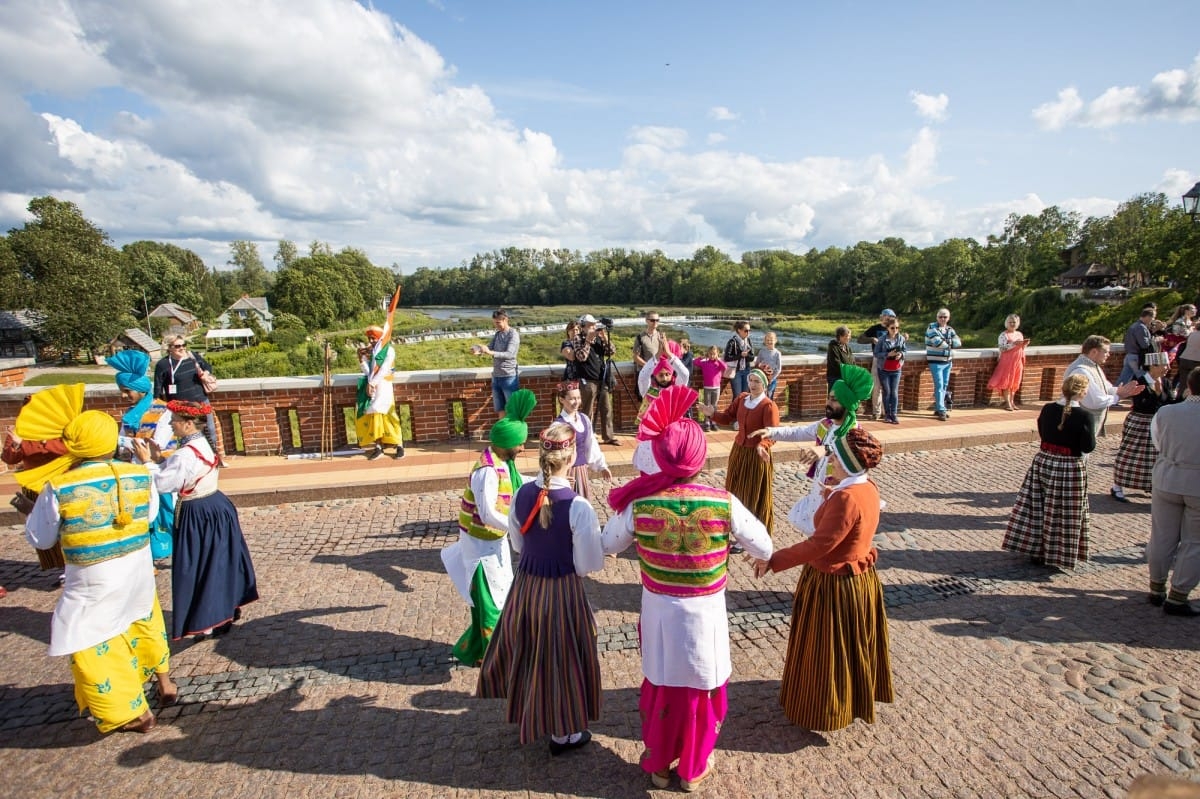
x=567, y=385
x=549, y=445
x=192, y=410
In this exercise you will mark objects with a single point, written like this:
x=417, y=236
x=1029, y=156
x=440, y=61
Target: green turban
x=854, y=387
x=511, y=431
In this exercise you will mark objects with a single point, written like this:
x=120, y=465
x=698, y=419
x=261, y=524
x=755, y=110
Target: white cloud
x=930, y=106
x=235, y=123
x=1174, y=95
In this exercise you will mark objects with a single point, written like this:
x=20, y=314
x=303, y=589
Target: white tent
x=215, y=339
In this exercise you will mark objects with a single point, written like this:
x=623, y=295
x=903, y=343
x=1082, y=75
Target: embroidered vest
x=87, y=502
x=823, y=428
x=652, y=392
x=469, y=521
x=683, y=540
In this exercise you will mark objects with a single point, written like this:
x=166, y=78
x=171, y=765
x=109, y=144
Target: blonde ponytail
x=1073, y=386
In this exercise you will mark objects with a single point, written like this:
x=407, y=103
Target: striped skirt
x=838, y=664
x=1135, y=457
x=581, y=483
x=749, y=479
x=1050, y=518
x=543, y=658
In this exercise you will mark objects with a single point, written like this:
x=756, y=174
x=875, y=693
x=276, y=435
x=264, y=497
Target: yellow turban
x=91, y=434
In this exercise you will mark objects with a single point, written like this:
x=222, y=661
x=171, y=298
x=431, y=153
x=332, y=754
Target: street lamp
x=1191, y=203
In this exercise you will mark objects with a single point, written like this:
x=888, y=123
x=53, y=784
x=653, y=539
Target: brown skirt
x=749, y=479
x=838, y=664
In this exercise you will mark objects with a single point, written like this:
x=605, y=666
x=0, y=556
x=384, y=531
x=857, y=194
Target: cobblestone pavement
x=1011, y=680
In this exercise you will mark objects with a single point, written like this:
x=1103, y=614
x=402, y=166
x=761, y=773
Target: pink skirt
x=680, y=724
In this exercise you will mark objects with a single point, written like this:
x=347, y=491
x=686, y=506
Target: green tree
x=248, y=268
x=148, y=268
x=80, y=293
x=285, y=254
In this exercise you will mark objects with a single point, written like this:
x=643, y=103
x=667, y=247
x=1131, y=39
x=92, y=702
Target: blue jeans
x=739, y=382
x=502, y=389
x=941, y=379
x=1130, y=368
x=890, y=383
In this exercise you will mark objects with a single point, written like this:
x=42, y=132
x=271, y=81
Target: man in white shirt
x=1101, y=394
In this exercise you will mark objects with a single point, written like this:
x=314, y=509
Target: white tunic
x=384, y=397
x=685, y=641
x=464, y=555
x=98, y=601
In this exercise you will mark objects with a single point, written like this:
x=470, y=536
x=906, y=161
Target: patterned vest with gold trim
x=469, y=521
x=87, y=503
x=683, y=540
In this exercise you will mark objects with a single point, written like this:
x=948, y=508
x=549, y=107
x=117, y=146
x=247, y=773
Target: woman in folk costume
x=1134, y=463
x=146, y=418
x=479, y=563
x=543, y=658
x=751, y=472
x=378, y=424
x=108, y=618
x=683, y=531
x=1050, y=520
x=212, y=576
x=588, y=456
x=33, y=444
x=838, y=664
x=841, y=416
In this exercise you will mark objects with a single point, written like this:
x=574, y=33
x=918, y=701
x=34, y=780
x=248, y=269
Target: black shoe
x=223, y=629
x=942, y=415
x=736, y=549
x=557, y=749
x=375, y=453
x=399, y=453
x=1156, y=599
x=1180, y=609
x=1118, y=495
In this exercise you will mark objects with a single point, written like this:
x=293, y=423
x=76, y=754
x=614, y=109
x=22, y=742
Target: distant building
x=134, y=339
x=20, y=334
x=1087, y=277
x=180, y=321
x=245, y=309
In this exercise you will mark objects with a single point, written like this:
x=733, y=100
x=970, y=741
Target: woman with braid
x=1049, y=521
x=543, y=656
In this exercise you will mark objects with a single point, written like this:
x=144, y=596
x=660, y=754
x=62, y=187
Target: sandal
x=143, y=723
x=687, y=786
x=661, y=779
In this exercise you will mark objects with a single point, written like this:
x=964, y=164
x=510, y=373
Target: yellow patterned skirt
x=379, y=428
x=110, y=676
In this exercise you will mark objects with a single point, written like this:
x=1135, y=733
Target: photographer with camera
x=592, y=351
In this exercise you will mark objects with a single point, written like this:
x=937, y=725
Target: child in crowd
x=711, y=368
x=769, y=360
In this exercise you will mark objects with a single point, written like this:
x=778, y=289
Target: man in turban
x=479, y=563
x=108, y=619
x=149, y=419
x=684, y=530
x=841, y=416
x=378, y=424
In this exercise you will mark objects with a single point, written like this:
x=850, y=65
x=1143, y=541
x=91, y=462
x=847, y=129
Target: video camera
x=604, y=322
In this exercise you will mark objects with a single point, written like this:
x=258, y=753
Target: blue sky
x=425, y=132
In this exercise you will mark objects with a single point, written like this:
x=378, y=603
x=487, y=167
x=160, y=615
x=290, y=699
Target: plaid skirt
x=1135, y=457
x=1050, y=518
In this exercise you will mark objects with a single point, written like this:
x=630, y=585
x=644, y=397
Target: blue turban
x=131, y=366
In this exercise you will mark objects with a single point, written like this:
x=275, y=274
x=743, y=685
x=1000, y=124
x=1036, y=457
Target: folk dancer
x=479, y=563
x=108, y=619
x=378, y=424
x=543, y=658
x=684, y=531
x=212, y=576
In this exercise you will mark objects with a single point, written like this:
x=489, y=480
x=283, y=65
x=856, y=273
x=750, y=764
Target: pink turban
x=681, y=451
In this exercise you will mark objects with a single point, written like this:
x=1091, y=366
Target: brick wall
x=255, y=415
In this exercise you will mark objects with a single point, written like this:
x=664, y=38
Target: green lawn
x=61, y=378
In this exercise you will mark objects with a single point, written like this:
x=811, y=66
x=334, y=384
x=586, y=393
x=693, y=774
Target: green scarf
x=364, y=399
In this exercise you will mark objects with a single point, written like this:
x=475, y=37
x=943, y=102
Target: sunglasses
x=178, y=346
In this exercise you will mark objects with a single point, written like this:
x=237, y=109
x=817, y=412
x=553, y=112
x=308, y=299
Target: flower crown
x=550, y=445
x=192, y=410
